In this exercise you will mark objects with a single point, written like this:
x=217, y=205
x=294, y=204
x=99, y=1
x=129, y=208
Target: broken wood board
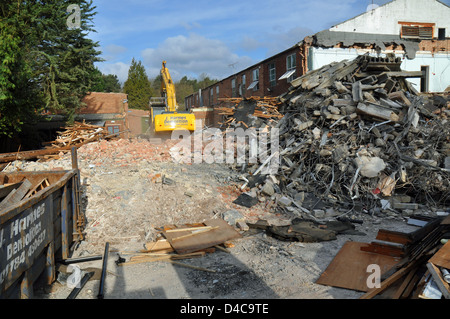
x=8, y=188
x=386, y=248
x=16, y=195
x=40, y=186
x=348, y=269
x=442, y=257
x=204, y=239
x=377, y=112
x=440, y=282
x=158, y=246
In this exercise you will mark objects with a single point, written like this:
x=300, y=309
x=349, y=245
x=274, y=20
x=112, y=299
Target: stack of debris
x=356, y=135
x=185, y=242
x=78, y=133
x=410, y=265
x=249, y=112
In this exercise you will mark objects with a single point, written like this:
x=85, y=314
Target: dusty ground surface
x=124, y=200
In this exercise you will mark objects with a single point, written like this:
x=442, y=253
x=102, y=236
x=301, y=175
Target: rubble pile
x=357, y=135
x=80, y=132
x=249, y=112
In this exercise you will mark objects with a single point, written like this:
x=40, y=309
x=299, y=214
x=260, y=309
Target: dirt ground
x=125, y=200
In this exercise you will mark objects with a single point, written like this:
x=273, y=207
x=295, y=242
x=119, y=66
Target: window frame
x=272, y=74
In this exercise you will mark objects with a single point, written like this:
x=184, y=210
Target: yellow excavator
x=164, y=116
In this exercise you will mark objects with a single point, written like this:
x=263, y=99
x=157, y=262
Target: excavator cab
x=164, y=116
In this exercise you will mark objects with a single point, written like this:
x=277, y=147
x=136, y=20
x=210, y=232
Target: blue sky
x=216, y=38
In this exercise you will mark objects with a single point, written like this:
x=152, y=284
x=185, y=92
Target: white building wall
x=384, y=19
x=439, y=72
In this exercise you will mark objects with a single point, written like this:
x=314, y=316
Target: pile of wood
x=74, y=135
x=185, y=242
x=249, y=112
x=355, y=133
x=78, y=133
x=411, y=265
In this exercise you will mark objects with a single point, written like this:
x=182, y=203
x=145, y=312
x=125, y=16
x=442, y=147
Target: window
x=272, y=75
x=441, y=34
x=291, y=66
x=233, y=88
x=255, y=84
x=424, y=80
x=211, y=97
x=414, y=30
x=243, y=85
x=113, y=129
x=217, y=91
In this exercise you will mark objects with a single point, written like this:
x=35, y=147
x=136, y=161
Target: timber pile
x=187, y=241
x=78, y=133
x=412, y=265
x=249, y=112
x=356, y=136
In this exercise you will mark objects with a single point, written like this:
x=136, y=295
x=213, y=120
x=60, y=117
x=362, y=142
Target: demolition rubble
x=356, y=143
x=356, y=136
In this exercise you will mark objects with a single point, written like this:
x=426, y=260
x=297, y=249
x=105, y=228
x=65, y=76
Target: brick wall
x=138, y=121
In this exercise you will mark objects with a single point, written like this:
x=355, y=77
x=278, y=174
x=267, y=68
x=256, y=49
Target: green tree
x=138, y=86
x=43, y=62
x=98, y=84
x=112, y=83
x=105, y=82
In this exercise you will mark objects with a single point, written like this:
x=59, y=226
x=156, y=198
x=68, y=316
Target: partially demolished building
x=415, y=31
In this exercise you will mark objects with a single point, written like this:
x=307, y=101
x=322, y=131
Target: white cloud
x=192, y=56
x=120, y=69
x=115, y=49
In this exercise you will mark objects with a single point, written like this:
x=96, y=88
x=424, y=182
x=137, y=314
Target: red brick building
x=270, y=77
x=106, y=109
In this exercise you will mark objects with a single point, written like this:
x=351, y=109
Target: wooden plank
x=7, y=188
x=442, y=257
x=158, y=246
x=405, y=284
x=393, y=236
x=440, y=282
x=16, y=195
x=40, y=186
x=349, y=267
x=194, y=233
x=390, y=249
x=390, y=281
x=202, y=240
x=188, y=229
x=377, y=111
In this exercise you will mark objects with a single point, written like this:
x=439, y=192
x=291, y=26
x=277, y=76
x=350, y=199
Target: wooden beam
x=440, y=282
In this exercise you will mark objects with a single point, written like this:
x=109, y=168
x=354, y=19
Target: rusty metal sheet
x=221, y=231
x=348, y=269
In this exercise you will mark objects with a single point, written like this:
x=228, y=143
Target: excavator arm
x=168, y=89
